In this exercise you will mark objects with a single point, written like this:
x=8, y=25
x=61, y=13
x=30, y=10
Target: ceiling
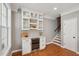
x=46, y=8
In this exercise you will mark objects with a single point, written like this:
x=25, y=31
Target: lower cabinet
x=27, y=46
x=42, y=42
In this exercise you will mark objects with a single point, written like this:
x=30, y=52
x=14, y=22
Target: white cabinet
x=42, y=42
x=26, y=45
x=31, y=20
x=25, y=24
x=25, y=20
x=33, y=23
x=40, y=25
x=25, y=14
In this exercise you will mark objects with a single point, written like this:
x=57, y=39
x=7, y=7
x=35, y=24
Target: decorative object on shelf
x=26, y=14
x=31, y=20
x=40, y=17
x=24, y=34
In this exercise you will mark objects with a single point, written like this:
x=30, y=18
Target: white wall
x=16, y=40
x=33, y=33
x=49, y=33
x=49, y=29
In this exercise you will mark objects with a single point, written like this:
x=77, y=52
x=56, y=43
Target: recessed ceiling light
x=55, y=8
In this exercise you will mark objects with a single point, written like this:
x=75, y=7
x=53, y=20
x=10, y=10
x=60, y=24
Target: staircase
x=57, y=40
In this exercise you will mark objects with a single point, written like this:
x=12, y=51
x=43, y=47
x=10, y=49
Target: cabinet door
x=42, y=42
x=26, y=46
x=26, y=14
x=70, y=33
x=40, y=25
x=25, y=24
x=40, y=17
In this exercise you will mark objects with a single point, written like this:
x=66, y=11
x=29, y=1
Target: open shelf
x=31, y=20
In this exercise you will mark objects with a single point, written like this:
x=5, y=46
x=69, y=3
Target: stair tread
x=57, y=42
x=58, y=39
x=58, y=36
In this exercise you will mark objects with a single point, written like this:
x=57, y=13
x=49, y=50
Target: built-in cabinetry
x=27, y=44
x=42, y=42
x=31, y=20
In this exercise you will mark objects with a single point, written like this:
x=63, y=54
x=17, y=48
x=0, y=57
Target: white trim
x=57, y=44
x=66, y=48
x=49, y=43
x=70, y=50
x=53, y=43
x=15, y=51
x=9, y=39
x=7, y=51
x=47, y=17
x=62, y=47
x=68, y=12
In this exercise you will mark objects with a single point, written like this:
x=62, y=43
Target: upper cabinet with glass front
x=32, y=20
x=25, y=19
x=40, y=17
x=25, y=14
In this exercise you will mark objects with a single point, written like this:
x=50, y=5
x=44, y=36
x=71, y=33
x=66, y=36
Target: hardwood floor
x=50, y=50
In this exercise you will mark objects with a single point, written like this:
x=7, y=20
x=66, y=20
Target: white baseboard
x=15, y=51
x=49, y=43
x=70, y=50
x=57, y=44
x=53, y=43
x=62, y=47
x=7, y=51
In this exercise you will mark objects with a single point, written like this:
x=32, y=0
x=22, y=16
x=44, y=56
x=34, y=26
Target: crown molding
x=70, y=11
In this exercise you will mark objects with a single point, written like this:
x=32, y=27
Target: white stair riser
x=57, y=39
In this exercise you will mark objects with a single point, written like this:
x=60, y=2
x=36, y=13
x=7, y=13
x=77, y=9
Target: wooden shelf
x=34, y=23
x=33, y=28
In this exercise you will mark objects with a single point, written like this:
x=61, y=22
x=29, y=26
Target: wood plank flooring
x=50, y=50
